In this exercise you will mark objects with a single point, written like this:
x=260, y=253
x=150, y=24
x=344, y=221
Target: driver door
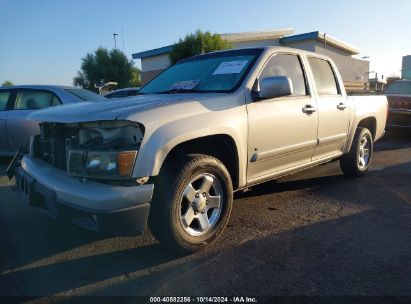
x=282, y=134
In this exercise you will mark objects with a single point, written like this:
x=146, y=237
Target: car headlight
x=101, y=164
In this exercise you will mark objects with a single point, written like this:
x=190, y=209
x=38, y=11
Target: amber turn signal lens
x=125, y=161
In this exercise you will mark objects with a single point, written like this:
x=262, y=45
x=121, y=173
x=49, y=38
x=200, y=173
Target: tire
x=358, y=160
x=188, y=218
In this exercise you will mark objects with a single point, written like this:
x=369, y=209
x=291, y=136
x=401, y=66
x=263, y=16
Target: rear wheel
x=192, y=202
x=358, y=160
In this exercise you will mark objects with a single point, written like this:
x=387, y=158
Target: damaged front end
x=83, y=172
x=103, y=150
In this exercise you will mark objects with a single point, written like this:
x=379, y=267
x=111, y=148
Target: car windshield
x=214, y=72
x=399, y=87
x=85, y=95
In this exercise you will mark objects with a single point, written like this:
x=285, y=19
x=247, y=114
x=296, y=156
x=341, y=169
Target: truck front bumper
x=92, y=205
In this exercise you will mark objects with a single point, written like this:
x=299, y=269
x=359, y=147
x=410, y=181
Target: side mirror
x=274, y=86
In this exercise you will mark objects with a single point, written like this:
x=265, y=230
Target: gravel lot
x=312, y=233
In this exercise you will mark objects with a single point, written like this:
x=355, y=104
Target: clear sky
x=42, y=41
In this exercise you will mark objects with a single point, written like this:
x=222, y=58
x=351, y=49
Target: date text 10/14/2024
x=203, y=300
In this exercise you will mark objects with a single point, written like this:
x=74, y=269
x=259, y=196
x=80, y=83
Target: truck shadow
x=366, y=252
x=354, y=255
x=363, y=252
x=279, y=186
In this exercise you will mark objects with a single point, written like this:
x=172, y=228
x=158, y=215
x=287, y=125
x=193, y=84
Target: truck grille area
x=56, y=141
x=51, y=144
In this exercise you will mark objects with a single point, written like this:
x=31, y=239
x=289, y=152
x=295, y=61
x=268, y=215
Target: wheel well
x=219, y=146
x=370, y=123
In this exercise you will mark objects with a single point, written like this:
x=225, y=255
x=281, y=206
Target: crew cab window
x=27, y=100
x=324, y=76
x=4, y=97
x=290, y=66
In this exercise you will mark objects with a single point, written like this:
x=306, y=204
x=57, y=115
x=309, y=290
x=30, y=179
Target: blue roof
x=153, y=52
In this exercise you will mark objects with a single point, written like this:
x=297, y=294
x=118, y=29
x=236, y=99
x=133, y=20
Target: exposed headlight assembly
x=101, y=164
x=103, y=149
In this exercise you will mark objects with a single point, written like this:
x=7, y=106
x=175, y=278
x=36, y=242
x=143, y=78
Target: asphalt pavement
x=312, y=233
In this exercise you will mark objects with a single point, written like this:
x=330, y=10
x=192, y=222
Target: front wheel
x=192, y=202
x=358, y=160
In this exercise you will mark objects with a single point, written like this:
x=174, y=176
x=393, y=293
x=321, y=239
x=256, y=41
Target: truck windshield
x=214, y=72
x=399, y=87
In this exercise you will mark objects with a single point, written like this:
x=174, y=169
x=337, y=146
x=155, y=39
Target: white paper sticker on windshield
x=184, y=85
x=230, y=67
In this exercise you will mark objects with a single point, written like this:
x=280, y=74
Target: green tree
x=7, y=83
x=103, y=66
x=197, y=43
x=392, y=78
x=135, y=80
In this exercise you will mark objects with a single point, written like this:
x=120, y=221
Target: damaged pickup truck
x=204, y=128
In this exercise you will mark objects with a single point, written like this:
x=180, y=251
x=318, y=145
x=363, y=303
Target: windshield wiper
x=176, y=91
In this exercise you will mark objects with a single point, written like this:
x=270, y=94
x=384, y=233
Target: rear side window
x=28, y=100
x=323, y=76
x=4, y=98
x=290, y=66
x=55, y=101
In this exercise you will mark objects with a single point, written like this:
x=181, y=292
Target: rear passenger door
x=19, y=129
x=5, y=96
x=333, y=111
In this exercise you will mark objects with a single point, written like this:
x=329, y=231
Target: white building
x=353, y=71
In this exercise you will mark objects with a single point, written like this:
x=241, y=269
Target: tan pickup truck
x=206, y=127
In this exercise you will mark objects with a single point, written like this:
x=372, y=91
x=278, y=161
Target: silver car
x=16, y=102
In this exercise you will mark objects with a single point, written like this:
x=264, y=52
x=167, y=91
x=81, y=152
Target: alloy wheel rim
x=364, y=153
x=201, y=204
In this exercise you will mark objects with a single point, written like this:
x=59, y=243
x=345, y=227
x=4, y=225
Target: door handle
x=309, y=109
x=341, y=106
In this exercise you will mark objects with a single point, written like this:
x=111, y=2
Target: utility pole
x=115, y=42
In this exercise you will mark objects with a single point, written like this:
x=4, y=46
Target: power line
x=122, y=38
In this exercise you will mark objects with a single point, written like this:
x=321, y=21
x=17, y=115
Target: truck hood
x=111, y=109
